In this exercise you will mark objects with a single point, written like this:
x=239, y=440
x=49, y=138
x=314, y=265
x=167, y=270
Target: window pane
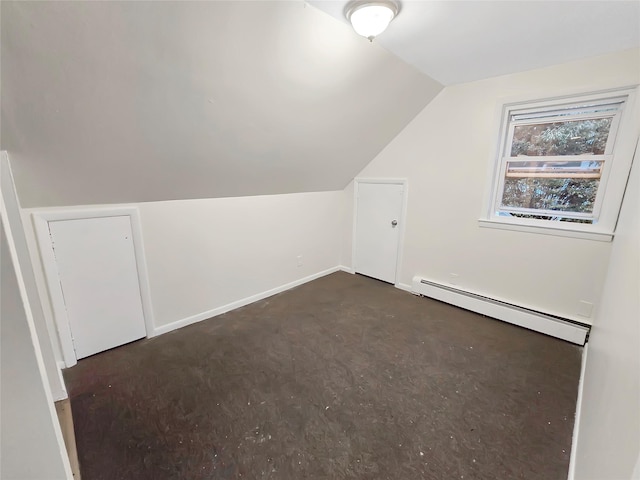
x=577, y=137
x=576, y=195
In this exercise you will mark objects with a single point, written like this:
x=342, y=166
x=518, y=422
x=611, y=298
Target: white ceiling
x=113, y=102
x=462, y=41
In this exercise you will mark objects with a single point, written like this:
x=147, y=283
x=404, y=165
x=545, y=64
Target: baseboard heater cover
x=568, y=330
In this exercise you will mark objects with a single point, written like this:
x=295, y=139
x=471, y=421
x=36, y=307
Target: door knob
x=394, y=223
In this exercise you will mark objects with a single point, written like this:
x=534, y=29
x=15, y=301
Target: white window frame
x=615, y=171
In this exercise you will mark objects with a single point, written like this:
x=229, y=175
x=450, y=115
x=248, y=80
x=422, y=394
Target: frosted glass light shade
x=371, y=19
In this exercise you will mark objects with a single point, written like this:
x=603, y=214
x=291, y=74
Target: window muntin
x=555, y=161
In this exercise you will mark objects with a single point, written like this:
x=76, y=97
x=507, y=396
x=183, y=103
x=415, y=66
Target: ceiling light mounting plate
x=371, y=17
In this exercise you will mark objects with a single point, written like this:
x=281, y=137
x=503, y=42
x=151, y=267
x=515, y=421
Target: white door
x=377, y=237
x=96, y=264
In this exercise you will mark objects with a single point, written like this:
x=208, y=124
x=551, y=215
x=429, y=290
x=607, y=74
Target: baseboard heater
x=569, y=330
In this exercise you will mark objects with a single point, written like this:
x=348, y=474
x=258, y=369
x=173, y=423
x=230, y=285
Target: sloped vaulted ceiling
x=115, y=102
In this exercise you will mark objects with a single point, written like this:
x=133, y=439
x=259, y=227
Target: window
x=556, y=162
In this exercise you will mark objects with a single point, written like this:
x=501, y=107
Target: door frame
x=403, y=217
x=41, y=221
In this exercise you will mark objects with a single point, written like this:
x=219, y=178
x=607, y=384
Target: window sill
x=558, y=232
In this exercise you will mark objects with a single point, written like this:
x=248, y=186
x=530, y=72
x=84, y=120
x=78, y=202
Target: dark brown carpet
x=344, y=377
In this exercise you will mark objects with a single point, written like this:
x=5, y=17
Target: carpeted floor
x=341, y=378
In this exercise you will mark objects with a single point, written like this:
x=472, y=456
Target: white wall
x=447, y=153
x=31, y=445
x=50, y=354
x=608, y=443
x=207, y=256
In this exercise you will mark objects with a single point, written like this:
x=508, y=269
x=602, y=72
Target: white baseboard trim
x=347, y=269
x=239, y=303
x=523, y=317
x=576, y=425
x=60, y=394
x=405, y=287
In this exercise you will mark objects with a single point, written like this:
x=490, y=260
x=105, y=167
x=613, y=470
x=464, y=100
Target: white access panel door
x=96, y=265
x=377, y=236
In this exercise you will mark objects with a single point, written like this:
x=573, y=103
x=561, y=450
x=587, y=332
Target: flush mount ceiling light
x=371, y=18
